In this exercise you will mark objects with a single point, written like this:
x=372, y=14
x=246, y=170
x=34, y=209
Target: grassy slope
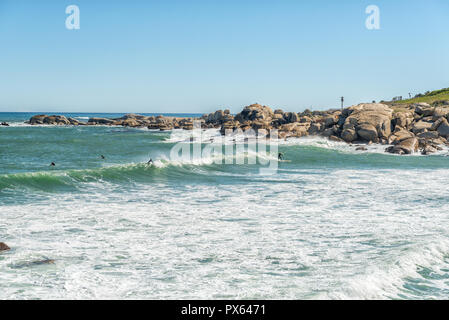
x=433, y=96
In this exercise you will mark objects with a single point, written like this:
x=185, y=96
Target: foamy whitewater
x=334, y=223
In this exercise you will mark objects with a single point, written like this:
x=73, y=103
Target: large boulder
x=330, y=121
x=162, y=123
x=216, y=117
x=428, y=135
x=399, y=135
x=129, y=122
x=255, y=112
x=407, y=146
x=37, y=119
x=421, y=108
x=293, y=129
x=371, y=121
x=305, y=119
x=315, y=128
x=186, y=123
x=420, y=126
x=367, y=132
x=291, y=117
x=440, y=112
x=56, y=120
x=50, y=120
x=443, y=128
x=75, y=122
x=349, y=135
x=280, y=117
x=403, y=119
x=279, y=111
x=428, y=149
x=436, y=124
x=329, y=131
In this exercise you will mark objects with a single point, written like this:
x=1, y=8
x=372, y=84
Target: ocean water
x=334, y=223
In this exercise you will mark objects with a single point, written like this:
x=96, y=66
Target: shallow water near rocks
x=334, y=223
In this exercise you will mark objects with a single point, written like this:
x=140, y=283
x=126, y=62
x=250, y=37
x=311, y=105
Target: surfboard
x=284, y=160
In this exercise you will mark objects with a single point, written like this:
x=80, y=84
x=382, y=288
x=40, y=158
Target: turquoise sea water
x=333, y=223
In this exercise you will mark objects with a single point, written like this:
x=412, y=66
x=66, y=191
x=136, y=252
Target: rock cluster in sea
x=4, y=247
x=406, y=129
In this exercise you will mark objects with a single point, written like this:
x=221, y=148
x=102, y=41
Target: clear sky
x=198, y=56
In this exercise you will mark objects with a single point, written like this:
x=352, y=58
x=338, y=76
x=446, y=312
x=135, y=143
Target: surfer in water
x=280, y=156
x=52, y=164
x=150, y=161
x=103, y=157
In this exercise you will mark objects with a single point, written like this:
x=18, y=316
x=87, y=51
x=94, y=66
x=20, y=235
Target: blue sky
x=198, y=56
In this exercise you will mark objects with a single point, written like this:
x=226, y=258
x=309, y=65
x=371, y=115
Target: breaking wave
x=122, y=173
x=420, y=273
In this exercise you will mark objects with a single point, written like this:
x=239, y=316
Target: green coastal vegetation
x=440, y=96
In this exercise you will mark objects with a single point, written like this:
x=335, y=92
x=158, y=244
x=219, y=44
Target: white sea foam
x=217, y=158
x=395, y=277
x=20, y=124
x=300, y=234
x=214, y=136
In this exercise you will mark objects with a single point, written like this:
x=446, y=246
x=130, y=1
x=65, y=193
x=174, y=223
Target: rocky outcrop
x=406, y=129
x=255, y=112
x=371, y=122
x=218, y=117
x=50, y=120
x=53, y=120
x=4, y=247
